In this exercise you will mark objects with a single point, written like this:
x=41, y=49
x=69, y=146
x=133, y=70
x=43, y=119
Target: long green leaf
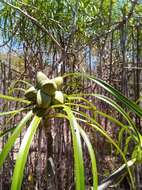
x=12, y=112
x=13, y=137
x=93, y=158
x=23, y=154
x=112, y=119
x=99, y=128
x=118, y=108
x=128, y=103
x=83, y=99
x=90, y=150
x=97, y=112
x=77, y=148
x=93, y=123
x=11, y=98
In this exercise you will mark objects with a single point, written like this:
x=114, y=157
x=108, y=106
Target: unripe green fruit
x=41, y=79
x=43, y=100
x=49, y=87
x=45, y=84
x=58, y=98
x=31, y=94
x=58, y=81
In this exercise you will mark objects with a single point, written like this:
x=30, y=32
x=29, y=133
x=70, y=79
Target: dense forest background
x=102, y=38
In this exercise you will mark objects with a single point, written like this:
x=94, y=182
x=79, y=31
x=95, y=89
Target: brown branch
x=35, y=21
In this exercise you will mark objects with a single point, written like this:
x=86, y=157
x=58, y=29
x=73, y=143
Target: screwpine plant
x=46, y=95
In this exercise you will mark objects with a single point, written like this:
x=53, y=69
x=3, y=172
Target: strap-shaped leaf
x=11, y=98
x=12, y=112
x=13, y=137
x=90, y=150
x=118, y=108
x=92, y=157
x=23, y=154
x=128, y=103
x=77, y=148
x=122, y=111
x=93, y=123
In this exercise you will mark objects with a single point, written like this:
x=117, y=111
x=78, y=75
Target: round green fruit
x=43, y=100
x=58, y=81
x=49, y=87
x=41, y=79
x=58, y=98
x=31, y=94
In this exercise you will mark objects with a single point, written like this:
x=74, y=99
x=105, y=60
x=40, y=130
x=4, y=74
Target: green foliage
x=73, y=22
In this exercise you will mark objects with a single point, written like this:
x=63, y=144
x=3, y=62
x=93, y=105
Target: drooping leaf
x=11, y=98
x=12, y=112
x=92, y=156
x=13, y=137
x=77, y=149
x=23, y=154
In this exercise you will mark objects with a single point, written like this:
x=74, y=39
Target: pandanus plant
x=46, y=96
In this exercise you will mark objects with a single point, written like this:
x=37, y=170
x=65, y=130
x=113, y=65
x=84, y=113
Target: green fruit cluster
x=46, y=92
